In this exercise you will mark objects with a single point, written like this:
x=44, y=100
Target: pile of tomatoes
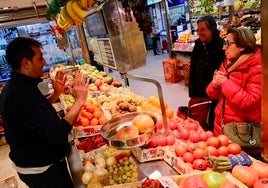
x=195, y=153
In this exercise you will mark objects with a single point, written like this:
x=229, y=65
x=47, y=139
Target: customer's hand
x=58, y=83
x=218, y=79
x=80, y=87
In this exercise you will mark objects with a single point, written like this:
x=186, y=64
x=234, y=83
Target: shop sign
x=150, y=2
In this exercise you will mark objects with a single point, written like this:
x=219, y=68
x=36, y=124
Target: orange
x=102, y=120
x=88, y=115
x=94, y=121
x=169, y=113
x=90, y=108
x=84, y=121
x=97, y=114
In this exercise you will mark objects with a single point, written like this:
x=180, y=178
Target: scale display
x=103, y=53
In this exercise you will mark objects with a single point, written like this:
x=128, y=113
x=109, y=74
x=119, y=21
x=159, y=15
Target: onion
x=110, y=161
x=86, y=177
x=89, y=167
x=100, y=172
x=100, y=162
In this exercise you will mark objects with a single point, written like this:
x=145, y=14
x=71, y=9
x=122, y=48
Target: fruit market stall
x=187, y=152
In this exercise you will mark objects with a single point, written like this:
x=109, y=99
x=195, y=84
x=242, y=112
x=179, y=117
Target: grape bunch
x=124, y=171
x=142, y=18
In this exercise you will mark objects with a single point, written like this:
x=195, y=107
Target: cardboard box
x=80, y=132
x=172, y=70
x=177, y=163
x=150, y=154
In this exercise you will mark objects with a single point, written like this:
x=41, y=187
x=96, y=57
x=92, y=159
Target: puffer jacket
x=242, y=92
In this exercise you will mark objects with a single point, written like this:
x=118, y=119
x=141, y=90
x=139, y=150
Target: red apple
x=98, y=82
x=127, y=132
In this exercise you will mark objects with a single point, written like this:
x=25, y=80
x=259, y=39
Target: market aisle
x=176, y=94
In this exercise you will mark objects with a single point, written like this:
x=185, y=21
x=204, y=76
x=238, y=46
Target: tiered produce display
x=200, y=158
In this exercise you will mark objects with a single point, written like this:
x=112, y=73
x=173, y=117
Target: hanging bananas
x=79, y=11
x=70, y=9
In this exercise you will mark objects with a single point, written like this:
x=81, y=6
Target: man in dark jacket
x=206, y=57
x=37, y=136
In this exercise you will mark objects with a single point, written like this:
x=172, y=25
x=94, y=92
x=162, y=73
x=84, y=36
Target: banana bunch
x=74, y=12
x=220, y=164
x=64, y=20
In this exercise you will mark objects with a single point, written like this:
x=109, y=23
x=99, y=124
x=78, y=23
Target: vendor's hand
x=80, y=87
x=59, y=83
x=218, y=79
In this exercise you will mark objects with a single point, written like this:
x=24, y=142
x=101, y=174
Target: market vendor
x=37, y=136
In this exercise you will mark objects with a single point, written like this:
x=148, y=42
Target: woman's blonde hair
x=243, y=38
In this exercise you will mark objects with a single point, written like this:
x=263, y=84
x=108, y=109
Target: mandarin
x=84, y=121
x=93, y=122
x=169, y=113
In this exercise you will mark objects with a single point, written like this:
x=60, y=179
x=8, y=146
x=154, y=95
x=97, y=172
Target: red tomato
x=209, y=133
x=234, y=148
x=188, y=157
x=261, y=183
x=159, y=124
x=201, y=144
x=203, y=136
x=152, y=143
x=190, y=147
x=177, y=134
x=192, y=126
x=172, y=125
x=170, y=139
x=213, y=141
x=224, y=139
x=200, y=164
x=199, y=153
x=223, y=151
x=180, y=150
x=213, y=151
x=194, y=137
x=162, y=141
x=185, y=134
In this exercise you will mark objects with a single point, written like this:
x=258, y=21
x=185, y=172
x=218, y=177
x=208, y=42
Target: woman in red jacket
x=238, y=81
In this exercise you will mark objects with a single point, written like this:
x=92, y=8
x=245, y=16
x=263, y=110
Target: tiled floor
x=176, y=94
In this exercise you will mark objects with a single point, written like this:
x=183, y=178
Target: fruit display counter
x=178, y=153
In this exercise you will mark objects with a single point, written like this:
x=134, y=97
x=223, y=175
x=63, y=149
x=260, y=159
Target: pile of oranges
x=90, y=115
x=152, y=105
